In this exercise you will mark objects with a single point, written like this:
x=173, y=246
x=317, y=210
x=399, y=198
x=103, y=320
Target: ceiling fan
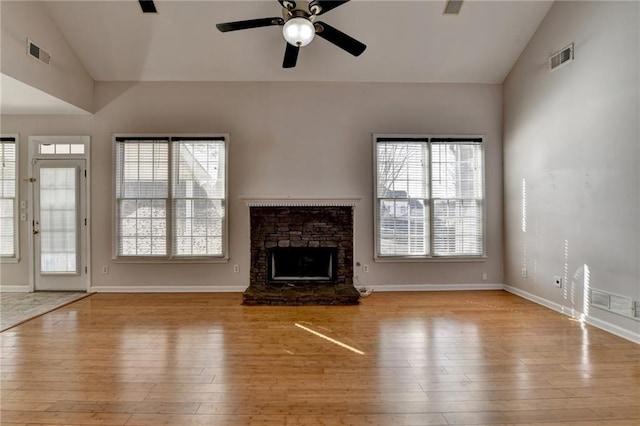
x=299, y=26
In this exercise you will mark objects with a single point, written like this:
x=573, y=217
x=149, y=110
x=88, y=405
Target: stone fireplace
x=301, y=253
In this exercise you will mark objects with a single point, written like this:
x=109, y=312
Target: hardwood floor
x=397, y=359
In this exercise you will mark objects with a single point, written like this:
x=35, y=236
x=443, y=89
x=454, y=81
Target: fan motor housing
x=297, y=13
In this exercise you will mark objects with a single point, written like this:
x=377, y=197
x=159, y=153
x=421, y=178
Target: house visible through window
x=8, y=192
x=429, y=196
x=171, y=196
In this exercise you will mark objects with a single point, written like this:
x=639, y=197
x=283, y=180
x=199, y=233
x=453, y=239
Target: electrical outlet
x=105, y=269
x=523, y=273
x=484, y=276
x=558, y=281
x=365, y=268
x=236, y=268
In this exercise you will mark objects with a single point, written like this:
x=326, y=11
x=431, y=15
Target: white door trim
x=34, y=154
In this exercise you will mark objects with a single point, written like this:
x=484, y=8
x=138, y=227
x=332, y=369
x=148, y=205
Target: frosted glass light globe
x=298, y=31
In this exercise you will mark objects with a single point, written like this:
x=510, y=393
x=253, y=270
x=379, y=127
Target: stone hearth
x=308, y=226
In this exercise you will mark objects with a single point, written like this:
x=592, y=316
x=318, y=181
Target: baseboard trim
x=240, y=289
x=15, y=288
x=539, y=300
x=168, y=289
x=434, y=287
x=598, y=323
x=614, y=329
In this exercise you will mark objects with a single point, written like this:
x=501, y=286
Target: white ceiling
x=407, y=41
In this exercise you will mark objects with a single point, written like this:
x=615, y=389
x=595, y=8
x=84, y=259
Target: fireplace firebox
x=288, y=264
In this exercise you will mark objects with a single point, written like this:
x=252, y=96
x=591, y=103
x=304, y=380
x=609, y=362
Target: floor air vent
x=560, y=58
x=621, y=305
x=35, y=51
x=600, y=299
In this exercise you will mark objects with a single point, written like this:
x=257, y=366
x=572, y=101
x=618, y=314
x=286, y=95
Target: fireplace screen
x=303, y=264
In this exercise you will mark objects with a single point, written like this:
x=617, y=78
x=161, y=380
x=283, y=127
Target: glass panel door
x=59, y=225
x=58, y=220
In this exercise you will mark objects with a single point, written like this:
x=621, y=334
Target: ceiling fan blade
x=340, y=39
x=251, y=23
x=147, y=6
x=290, y=56
x=326, y=5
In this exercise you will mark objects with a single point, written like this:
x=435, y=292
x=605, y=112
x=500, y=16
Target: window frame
x=428, y=139
x=170, y=257
x=16, y=200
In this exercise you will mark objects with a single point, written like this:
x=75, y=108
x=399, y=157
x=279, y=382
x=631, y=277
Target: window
x=171, y=197
x=61, y=148
x=8, y=192
x=429, y=197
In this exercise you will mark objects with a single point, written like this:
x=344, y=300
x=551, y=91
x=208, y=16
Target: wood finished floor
x=449, y=358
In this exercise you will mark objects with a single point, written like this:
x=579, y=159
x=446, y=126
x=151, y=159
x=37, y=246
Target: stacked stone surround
x=301, y=226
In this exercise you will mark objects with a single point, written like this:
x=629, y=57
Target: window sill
x=408, y=259
x=171, y=260
x=9, y=260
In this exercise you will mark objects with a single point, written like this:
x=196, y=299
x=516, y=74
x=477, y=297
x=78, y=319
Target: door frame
x=35, y=153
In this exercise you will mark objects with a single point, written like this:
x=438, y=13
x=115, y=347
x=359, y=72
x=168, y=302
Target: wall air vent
x=561, y=57
x=452, y=7
x=38, y=53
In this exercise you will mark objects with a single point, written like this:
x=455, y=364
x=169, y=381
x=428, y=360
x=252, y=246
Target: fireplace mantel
x=300, y=202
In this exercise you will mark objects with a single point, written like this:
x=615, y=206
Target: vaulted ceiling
x=407, y=41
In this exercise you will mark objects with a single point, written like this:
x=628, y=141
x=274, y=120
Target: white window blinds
x=403, y=190
x=8, y=180
x=430, y=197
x=170, y=196
x=198, y=197
x=142, y=191
x=457, y=184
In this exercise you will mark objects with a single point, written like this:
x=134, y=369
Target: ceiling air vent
x=561, y=57
x=36, y=52
x=452, y=7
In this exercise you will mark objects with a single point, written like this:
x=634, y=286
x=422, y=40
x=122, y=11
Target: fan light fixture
x=298, y=31
x=299, y=27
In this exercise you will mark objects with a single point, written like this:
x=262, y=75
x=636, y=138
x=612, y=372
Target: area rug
x=16, y=308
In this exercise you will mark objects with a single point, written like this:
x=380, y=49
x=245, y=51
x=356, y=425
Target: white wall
x=571, y=139
x=65, y=77
x=287, y=140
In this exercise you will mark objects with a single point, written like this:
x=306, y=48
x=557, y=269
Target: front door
x=59, y=224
